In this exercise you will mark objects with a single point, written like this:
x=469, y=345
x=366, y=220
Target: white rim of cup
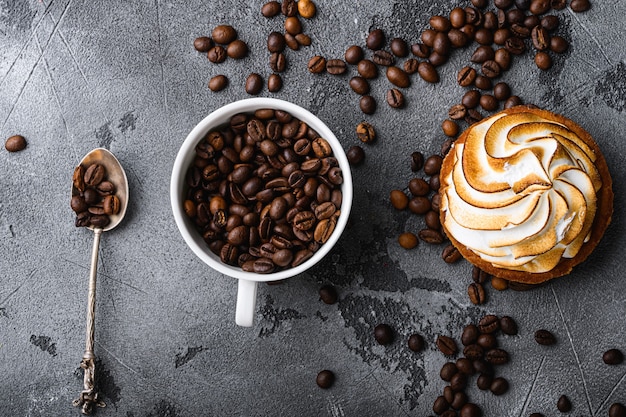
x=186, y=154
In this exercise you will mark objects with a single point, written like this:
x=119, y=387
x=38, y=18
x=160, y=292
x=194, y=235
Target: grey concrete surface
x=75, y=75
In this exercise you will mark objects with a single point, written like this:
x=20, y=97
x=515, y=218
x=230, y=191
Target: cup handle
x=246, y=303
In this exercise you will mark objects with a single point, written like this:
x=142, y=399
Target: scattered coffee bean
x=428, y=72
x=237, y=49
x=432, y=165
x=487, y=341
x=383, y=334
x=545, y=337
x=420, y=50
x=289, y=8
x=580, y=6
x=367, y=69
x=325, y=379
x=416, y=342
x=476, y=293
x=457, y=112
x=15, y=143
x=446, y=345
x=399, y=47
x=270, y=9
x=497, y=356
x=482, y=54
x=564, y=405
x=508, y=325
x=440, y=405
x=488, y=102
x=469, y=335
x=353, y=54
x=417, y=162
x=499, y=284
x=302, y=39
x=448, y=370
x=336, y=66
x=375, y=40
x=512, y=102
x=291, y=42
x=274, y=83
x=224, y=34
x=410, y=66
x=613, y=357
x=466, y=76
x=489, y=324
x=382, y=57
x=359, y=85
x=433, y=237
x=306, y=8
x=367, y=104
x=490, y=69
x=254, y=84
x=278, y=62
x=503, y=58
x=484, y=381
x=328, y=294
x=218, y=83
x=450, y=128
x=407, y=240
x=317, y=64
x=543, y=60
x=471, y=99
x=366, y=132
x=501, y=91
x=483, y=83
x=395, y=98
x=470, y=410
x=355, y=155
x=398, y=77
x=203, y=44
x=558, y=44
x=617, y=410
x=275, y=42
x=217, y=54
x=451, y=254
x=499, y=386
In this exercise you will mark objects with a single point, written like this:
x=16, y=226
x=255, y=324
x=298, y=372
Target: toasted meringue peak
x=521, y=191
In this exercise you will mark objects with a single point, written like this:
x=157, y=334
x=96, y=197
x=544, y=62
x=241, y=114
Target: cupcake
x=525, y=195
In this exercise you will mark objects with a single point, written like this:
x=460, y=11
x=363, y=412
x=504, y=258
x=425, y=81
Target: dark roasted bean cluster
x=93, y=196
x=264, y=191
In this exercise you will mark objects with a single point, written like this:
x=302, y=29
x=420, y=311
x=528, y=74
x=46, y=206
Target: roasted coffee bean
x=301, y=256
x=399, y=47
x=508, y=325
x=482, y=54
x=78, y=204
x=558, y=44
x=277, y=62
x=446, y=345
x=382, y=57
x=499, y=386
x=437, y=59
x=383, y=333
x=483, y=36
x=497, y=356
x=483, y=83
x=457, y=112
x=501, y=35
x=15, y=143
x=540, y=38
x=490, y=69
x=465, y=366
x=328, y=294
x=317, y=64
x=254, y=84
x=469, y=335
x=512, y=102
x=539, y=7
x=395, y=98
x=431, y=236
x=450, y=128
x=515, y=45
x=416, y=342
x=203, y=44
x=353, y=54
x=292, y=25
x=428, y=72
x=325, y=379
x=94, y=174
x=476, y=293
x=367, y=104
x=503, y=4
x=448, y=370
x=458, y=38
x=470, y=410
x=375, y=40
x=306, y=8
x=457, y=18
x=617, y=410
x=489, y=324
x=111, y=204
x=432, y=165
x=473, y=351
x=501, y=91
x=218, y=83
x=407, y=240
x=545, y=337
x=613, y=357
x=420, y=50
x=335, y=66
x=488, y=102
x=440, y=405
x=417, y=162
x=418, y=187
x=440, y=23
x=442, y=44
x=503, y=58
x=549, y=22
x=291, y=42
x=428, y=37
x=217, y=54
x=466, y=76
x=499, y=284
x=451, y=254
x=398, y=199
x=355, y=155
x=543, y=61
x=359, y=85
x=237, y=49
x=274, y=83
x=471, y=99
x=580, y=6
x=520, y=30
x=289, y=8
x=458, y=382
x=564, y=405
x=421, y=205
x=410, y=66
x=459, y=400
x=484, y=381
x=224, y=34
x=303, y=39
x=487, y=341
x=270, y=9
x=366, y=132
x=367, y=69
x=275, y=42
x=99, y=220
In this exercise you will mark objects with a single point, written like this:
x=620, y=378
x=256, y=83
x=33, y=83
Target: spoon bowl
x=89, y=397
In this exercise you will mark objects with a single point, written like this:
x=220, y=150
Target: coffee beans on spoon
x=93, y=196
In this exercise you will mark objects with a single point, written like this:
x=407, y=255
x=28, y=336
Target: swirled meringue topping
x=522, y=192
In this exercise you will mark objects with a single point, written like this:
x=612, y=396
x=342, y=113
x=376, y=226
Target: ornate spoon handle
x=88, y=396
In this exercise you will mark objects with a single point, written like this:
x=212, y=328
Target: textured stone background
x=76, y=74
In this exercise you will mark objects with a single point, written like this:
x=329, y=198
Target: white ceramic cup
x=248, y=281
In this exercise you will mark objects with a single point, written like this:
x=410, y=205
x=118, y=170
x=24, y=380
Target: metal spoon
x=115, y=174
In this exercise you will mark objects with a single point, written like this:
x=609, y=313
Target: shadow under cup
x=248, y=281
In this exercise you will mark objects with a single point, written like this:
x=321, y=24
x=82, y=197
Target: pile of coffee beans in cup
x=264, y=191
x=93, y=196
